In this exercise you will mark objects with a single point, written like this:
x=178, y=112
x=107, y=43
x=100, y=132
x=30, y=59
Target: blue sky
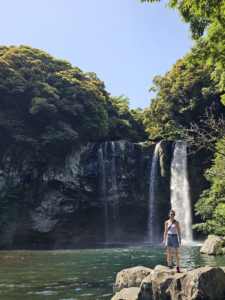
x=125, y=42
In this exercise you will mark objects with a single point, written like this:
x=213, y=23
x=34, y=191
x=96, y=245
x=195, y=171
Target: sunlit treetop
x=199, y=13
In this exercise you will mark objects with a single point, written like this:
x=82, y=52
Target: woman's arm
x=178, y=230
x=165, y=232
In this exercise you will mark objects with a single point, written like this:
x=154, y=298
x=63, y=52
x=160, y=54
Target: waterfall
x=103, y=187
x=108, y=184
x=152, y=219
x=114, y=189
x=180, y=195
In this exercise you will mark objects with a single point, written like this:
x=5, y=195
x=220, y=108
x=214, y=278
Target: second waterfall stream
x=180, y=191
x=152, y=219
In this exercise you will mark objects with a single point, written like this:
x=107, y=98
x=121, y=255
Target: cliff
x=91, y=193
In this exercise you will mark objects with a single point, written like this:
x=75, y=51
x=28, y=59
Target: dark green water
x=81, y=274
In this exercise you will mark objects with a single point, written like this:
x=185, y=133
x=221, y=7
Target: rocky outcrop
x=64, y=200
x=62, y=195
x=130, y=278
x=204, y=283
x=211, y=245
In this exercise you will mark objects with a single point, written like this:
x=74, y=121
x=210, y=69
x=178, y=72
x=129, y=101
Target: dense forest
x=48, y=106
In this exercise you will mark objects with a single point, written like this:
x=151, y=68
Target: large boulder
x=204, y=283
x=160, y=284
x=209, y=246
x=130, y=278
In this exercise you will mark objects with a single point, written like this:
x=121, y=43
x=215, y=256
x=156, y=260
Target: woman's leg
x=169, y=252
x=176, y=255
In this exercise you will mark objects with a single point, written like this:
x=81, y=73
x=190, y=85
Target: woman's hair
x=171, y=211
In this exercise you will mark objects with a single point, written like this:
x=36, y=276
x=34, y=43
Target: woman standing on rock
x=171, y=234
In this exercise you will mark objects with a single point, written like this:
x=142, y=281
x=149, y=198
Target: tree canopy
x=211, y=206
x=46, y=101
x=208, y=17
x=199, y=13
x=183, y=96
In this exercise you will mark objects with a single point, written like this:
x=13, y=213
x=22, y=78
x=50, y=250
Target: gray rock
x=127, y=294
x=69, y=195
x=203, y=283
x=160, y=284
x=209, y=246
x=157, y=285
x=130, y=278
x=45, y=216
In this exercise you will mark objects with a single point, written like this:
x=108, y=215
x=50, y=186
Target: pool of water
x=82, y=274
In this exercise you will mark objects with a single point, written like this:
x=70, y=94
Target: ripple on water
x=69, y=299
x=73, y=278
x=46, y=293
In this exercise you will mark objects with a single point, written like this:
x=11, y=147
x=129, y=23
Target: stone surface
x=127, y=294
x=130, y=278
x=63, y=194
x=67, y=193
x=46, y=215
x=209, y=245
x=160, y=284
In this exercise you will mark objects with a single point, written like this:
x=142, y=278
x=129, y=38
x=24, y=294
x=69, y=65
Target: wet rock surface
x=68, y=195
x=204, y=283
x=65, y=197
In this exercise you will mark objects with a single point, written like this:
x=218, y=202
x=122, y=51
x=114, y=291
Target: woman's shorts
x=171, y=240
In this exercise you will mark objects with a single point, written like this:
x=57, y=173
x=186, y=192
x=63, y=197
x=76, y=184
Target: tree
x=199, y=13
x=121, y=100
x=205, y=16
x=46, y=101
x=211, y=205
x=124, y=123
x=183, y=96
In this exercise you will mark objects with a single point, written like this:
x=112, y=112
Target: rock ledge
x=160, y=284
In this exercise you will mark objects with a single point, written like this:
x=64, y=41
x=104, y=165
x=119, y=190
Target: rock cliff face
x=94, y=193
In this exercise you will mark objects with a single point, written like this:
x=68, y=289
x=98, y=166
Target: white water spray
x=152, y=219
x=103, y=187
x=108, y=185
x=180, y=191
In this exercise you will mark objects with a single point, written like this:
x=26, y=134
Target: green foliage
x=183, y=96
x=199, y=13
x=205, y=16
x=121, y=100
x=211, y=205
x=46, y=101
x=125, y=124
